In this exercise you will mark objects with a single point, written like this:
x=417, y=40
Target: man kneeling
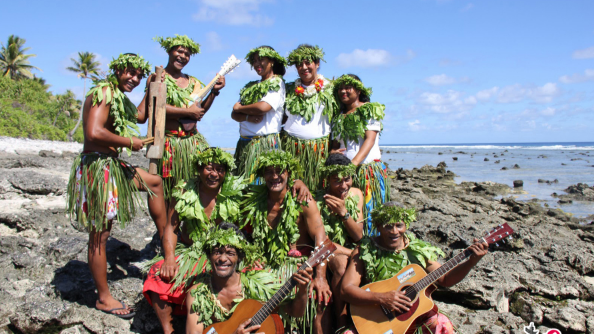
x=382, y=257
x=215, y=294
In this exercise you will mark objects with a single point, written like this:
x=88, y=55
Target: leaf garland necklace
x=334, y=226
x=190, y=208
x=352, y=126
x=381, y=263
x=274, y=243
x=122, y=110
x=177, y=96
x=302, y=101
x=255, y=284
x=254, y=91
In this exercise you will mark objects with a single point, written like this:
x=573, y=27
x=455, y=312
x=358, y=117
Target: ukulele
x=262, y=314
x=198, y=94
x=418, y=286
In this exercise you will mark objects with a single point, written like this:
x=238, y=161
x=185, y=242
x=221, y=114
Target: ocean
x=567, y=162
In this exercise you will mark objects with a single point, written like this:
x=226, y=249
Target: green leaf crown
x=305, y=52
x=278, y=158
x=341, y=171
x=389, y=215
x=215, y=155
x=185, y=41
x=347, y=80
x=228, y=237
x=128, y=60
x=265, y=52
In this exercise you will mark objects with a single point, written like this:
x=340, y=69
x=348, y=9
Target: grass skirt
x=101, y=188
x=372, y=179
x=249, y=149
x=177, y=161
x=311, y=154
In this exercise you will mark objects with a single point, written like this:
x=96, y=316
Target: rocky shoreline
x=545, y=275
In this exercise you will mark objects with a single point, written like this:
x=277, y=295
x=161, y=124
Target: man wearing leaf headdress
x=231, y=279
x=341, y=208
x=310, y=105
x=201, y=203
x=285, y=229
x=383, y=256
x=182, y=138
x=101, y=186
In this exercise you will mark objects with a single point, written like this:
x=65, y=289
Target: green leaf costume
x=304, y=106
x=352, y=126
x=254, y=91
x=381, y=264
x=334, y=226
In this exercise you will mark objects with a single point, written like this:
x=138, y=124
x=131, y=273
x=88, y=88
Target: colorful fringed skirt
x=311, y=154
x=249, y=149
x=372, y=179
x=176, y=164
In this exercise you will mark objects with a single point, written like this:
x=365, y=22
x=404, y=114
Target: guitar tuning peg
x=510, y=238
x=497, y=244
x=322, y=264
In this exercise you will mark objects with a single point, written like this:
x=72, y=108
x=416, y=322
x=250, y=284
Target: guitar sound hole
x=410, y=292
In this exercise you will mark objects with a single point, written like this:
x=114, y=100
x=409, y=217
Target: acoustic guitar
x=418, y=286
x=262, y=314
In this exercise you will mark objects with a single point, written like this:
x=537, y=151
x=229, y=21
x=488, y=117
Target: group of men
x=224, y=240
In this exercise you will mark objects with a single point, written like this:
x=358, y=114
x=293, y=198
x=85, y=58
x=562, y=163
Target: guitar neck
x=206, y=88
x=275, y=301
x=433, y=276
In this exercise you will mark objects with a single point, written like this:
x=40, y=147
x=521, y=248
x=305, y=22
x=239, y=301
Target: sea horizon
x=510, y=145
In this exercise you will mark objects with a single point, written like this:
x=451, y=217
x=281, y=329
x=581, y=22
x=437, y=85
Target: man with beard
x=215, y=294
x=381, y=257
x=101, y=186
x=284, y=229
x=341, y=208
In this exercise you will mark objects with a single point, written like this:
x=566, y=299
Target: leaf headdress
x=183, y=40
x=128, y=60
x=228, y=237
x=278, y=158
x=215, y=155
x=341, y=171
x=305, y=52
x=265, y=52
x=347, y=80
x=389, y=215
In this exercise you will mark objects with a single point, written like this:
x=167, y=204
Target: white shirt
x=271, y=120
x=353, y=147
x=318, y=127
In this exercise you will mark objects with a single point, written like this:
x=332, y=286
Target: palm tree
x=67, y=104
x=13, y=60
x=84, y=66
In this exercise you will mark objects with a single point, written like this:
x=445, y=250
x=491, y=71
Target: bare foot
x=112, y=306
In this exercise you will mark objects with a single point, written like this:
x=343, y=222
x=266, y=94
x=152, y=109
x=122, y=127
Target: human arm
x=95, y=127
x=352, y=225
x=239, y=117
x=368, y=143
x=296, y=308
x=207, y=102
x=258, y=108
x=315, y=229
x=335, y=147
x=301, y=191
x=352, y=292
x=478, y=249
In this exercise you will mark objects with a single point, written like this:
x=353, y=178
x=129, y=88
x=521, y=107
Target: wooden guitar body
x=375, y=320
x=245, y=310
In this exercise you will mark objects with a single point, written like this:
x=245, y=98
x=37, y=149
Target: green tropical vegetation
x=27, y=108
x=85, y=66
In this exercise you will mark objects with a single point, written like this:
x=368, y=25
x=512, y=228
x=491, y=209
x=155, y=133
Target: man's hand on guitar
x=169, y=269
x=395, y=301
x=303, y=277
x=243, y=330
x=219, y=85
x=478, y=249
x=196, y=111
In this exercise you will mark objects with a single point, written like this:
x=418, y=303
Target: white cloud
x=442, y=80
x=517, y=93
x=448, y=102
x=372, y=58
x=486, y=94
x=415, y=125
x=213, y=41
x=549, y=111
x=584, y=54
x=233, y=12
x=577, y=77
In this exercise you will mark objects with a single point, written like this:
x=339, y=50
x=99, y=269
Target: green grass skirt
x=311, y=154
x=177, y=162
x=101, y=188
x=249, y=149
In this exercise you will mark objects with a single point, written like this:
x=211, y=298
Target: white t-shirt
x=318, y=127
x=353, y=147
x=271, y=120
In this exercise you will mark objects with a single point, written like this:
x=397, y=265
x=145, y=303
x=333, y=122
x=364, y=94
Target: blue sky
x=447, y=71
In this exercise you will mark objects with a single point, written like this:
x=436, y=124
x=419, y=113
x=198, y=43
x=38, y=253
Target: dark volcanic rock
x=518, y=183
x=36, y=183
